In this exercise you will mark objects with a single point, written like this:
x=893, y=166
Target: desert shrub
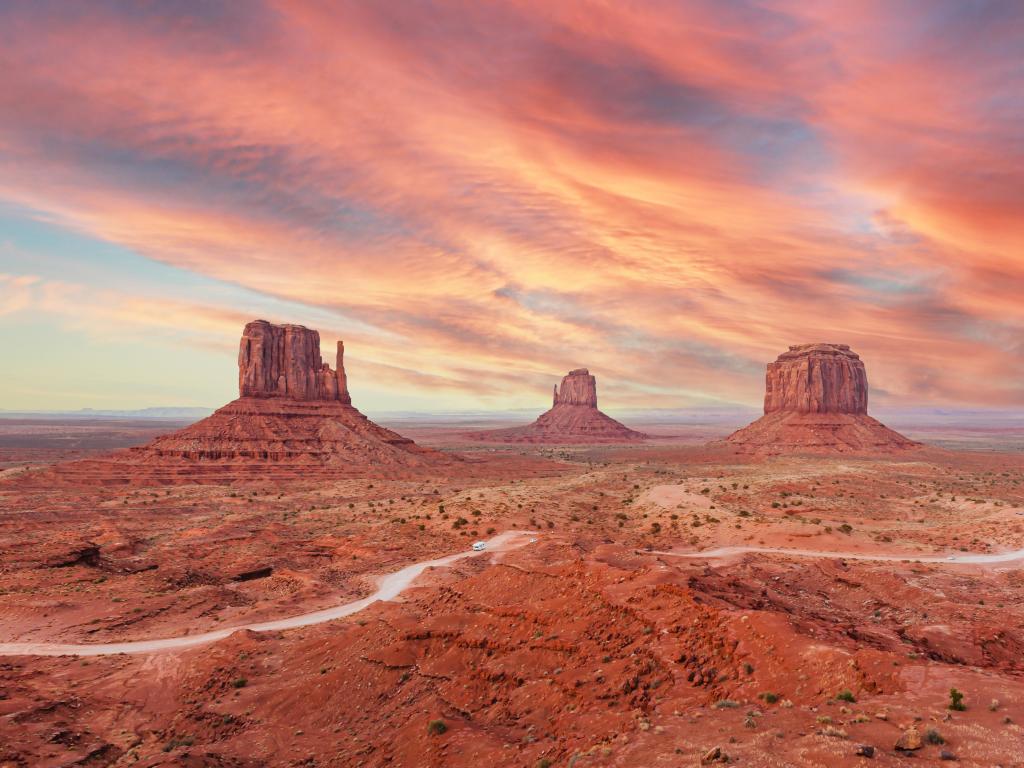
x=436, y=727
x=726, y=704
x=956, y=700
x=240, y=682
x=846, y=695
x=185, y=741
x=769, y=698
x=932, y=736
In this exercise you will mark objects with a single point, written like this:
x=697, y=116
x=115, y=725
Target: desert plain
x=602, y=638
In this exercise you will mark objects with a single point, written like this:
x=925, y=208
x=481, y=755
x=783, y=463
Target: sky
x=479, y=196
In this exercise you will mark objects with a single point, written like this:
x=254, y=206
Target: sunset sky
x=479, y=196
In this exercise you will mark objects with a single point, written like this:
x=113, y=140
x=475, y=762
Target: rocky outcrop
x=572, y=419
x=816, y=401
x=817, y=378
x=284, y=361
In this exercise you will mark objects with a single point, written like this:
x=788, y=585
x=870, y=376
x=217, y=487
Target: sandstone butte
x=816, y=401
x=293, y=417
x=573, y=418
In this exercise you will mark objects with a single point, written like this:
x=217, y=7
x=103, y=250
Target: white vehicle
x=479, y=546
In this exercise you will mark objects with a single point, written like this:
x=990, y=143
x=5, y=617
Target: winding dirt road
x=389, y=587
x=953, y=559
x=392, y=585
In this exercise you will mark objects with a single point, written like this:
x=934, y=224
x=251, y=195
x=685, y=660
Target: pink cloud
x=667, y=193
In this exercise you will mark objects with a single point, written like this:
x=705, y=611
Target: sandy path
x=952, y=559
x=389, y=587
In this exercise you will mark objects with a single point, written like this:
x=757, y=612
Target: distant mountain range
x=177, y=414
x=909, y=417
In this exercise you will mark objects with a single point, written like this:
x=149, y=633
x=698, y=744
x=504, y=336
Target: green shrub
x=846, y=695
x=174, y=743
x=436, y=727
x=956, y=700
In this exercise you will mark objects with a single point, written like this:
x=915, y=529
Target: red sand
x=582, y=647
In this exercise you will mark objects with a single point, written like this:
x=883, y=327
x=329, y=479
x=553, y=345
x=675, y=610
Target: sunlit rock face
x=817, y=378
x=284, y=361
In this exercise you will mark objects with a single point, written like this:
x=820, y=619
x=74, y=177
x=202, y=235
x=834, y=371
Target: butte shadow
x=816, y=401
x=572, y=419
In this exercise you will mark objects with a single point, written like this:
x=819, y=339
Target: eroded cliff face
x=578, y=388
x=285, y=361
x=817, y=378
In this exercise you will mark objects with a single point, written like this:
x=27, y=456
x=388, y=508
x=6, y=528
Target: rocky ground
x=585, y=648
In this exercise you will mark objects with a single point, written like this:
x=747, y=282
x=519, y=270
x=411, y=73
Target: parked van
x=479, y=546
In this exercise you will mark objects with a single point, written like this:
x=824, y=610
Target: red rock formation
x=579, y=387
x=816, y=400
x=284, y=361
x=817, y=378
x=573, y=418
x=294, y=417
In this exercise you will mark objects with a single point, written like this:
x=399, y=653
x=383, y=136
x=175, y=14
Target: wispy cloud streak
x=486, y=194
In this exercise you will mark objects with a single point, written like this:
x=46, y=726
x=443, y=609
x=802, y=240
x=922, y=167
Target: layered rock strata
x=816, y=400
